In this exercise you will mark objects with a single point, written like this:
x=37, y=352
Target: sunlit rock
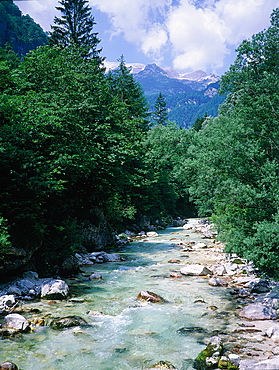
x=196, y=270
x=258, y=311
x=16, y=322
x=214, y=281
x=164, y=365
x=8, y=366
x=54, y=289
x=150, y=297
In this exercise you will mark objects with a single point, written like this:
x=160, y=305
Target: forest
x=77, y=145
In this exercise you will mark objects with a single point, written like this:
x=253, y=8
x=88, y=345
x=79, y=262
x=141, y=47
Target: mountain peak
x=154, y=70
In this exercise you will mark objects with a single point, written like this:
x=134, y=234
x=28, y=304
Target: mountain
x=20, y=31
x=188, y=95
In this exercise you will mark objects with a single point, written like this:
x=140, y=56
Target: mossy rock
x=238, y=261
x=67, y=322
x=213, y=350
x=164, y=365
x=226, y=364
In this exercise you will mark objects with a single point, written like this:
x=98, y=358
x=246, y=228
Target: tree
x=233, y=162
x=75, y=28
x=160, y=115
x=129, y=92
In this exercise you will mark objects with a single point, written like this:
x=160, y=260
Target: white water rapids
x=131, y=334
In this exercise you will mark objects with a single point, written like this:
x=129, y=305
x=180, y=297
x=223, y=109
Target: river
x=130, y=334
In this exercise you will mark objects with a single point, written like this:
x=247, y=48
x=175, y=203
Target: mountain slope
x=188, y=96
x=20, y=31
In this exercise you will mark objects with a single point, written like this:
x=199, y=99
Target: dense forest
x=77, y=147
x=19, y=31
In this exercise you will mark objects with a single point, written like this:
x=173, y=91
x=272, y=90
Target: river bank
x=211, y=302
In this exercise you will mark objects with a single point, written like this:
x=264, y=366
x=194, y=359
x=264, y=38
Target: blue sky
x=185, y=35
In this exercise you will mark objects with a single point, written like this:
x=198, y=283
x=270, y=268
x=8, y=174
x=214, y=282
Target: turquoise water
x=130, y=334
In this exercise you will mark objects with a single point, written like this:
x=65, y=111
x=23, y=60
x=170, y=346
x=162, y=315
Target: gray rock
x=67, y=322
x=16, y=322
x=196, y=270
x=95, y=276
x=273, y=332
x=30, y=275
x=260, y=286
x=55, y=289
x=14, y=290
x=25, y=285
x=272, y=363
x=258, y=311
x=247, y=364
x=111, y=257
x=231, y=268
x=214, y=281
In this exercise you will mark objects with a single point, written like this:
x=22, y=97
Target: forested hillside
x=77, y=151
x=19, y=31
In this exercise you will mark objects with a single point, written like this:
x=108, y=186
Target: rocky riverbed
x=251, y=344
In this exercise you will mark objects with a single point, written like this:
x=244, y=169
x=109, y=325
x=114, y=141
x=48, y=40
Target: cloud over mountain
x=194, y=34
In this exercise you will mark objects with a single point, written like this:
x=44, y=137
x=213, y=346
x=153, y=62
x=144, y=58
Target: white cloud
x=198, y=33
x=194, y=34
x=42, y=11
x=140, y=22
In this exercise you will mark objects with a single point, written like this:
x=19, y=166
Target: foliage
x=233, y=161
x=75, y=28
x=68, y=145
x=160, y=115
x=4, y=237
x=165, y=147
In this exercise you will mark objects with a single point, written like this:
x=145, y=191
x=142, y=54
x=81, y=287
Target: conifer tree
x=75, y=28
x=160, y=115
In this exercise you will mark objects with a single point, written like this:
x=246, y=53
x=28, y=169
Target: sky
x=185, y=35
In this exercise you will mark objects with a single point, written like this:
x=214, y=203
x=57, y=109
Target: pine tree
x=128, y=90
x=75, y=28
x=160, y=114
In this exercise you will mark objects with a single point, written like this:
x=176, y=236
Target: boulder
x=219, y=270
x=8, y=366
x=231, y=268
x=260, y=286
x=54, y=289
x=195, y=270
x=214, y=281
x=164, y=365
x=200, y=245
x=7, y=301
x=150, y=297
x=25, y=285
x=14, y=290
x=67, y=322
x=152, y=234
x=70, y=266
x=111, y=257
x=273, y=332
x=271, y=363
x=258, y=311
x=30, y=275
x=209, y=357
x=16, y=322
x=95, y=276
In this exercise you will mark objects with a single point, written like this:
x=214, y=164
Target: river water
x=130, y=334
